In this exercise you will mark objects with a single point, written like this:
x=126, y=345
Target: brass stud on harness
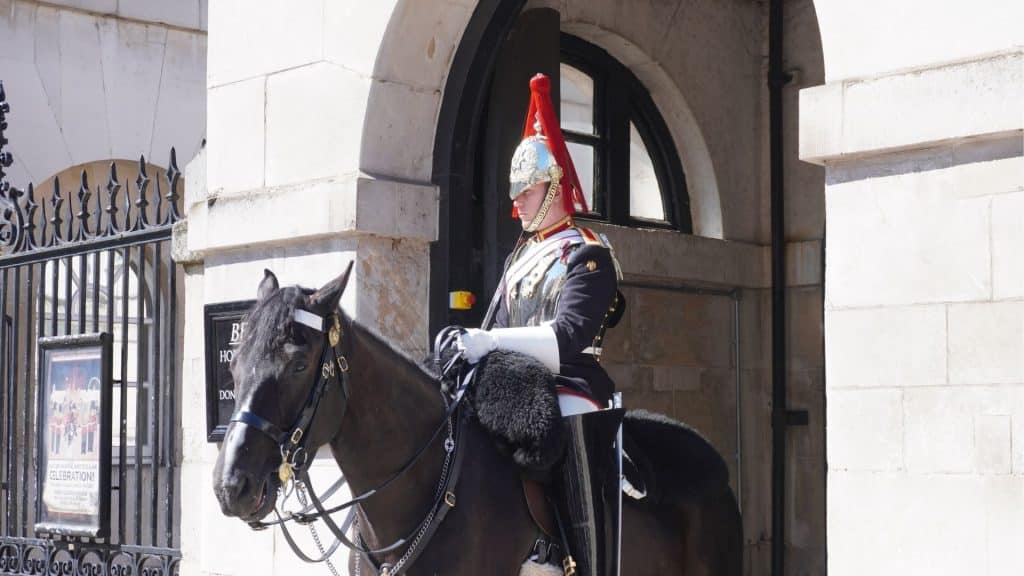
x=284, y=472
x=334, y=334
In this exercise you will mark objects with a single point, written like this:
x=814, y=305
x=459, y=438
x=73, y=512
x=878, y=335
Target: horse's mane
x=407, y=362
x=267, y=317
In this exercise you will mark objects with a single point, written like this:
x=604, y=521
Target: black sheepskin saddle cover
x=513, y=398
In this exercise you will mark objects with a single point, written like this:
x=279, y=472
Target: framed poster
x=223, y=327
x=74, y=435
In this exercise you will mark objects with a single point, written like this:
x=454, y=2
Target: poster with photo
x=74, y=435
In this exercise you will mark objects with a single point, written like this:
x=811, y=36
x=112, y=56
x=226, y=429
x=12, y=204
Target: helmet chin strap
x=545, y=207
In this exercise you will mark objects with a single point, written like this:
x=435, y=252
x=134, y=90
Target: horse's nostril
x=234, y=486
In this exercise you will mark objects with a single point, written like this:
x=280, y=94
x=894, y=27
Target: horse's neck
x=393, y=408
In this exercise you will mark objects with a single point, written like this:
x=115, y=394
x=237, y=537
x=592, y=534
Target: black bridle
x=293, y=443
x=295, y=459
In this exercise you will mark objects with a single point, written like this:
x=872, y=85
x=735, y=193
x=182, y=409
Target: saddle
x=514, y=399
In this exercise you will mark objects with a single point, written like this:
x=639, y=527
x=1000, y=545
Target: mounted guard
x=557, y=296
x=306, y=375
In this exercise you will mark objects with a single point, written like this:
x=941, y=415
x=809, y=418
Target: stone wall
x=321, y=127
x=91, y=80
x=705, y=65
x=924, y=313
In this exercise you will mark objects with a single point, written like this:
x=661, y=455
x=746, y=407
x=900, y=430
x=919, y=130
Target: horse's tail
x=729, y=549
x=680, y=468
x=712, y=543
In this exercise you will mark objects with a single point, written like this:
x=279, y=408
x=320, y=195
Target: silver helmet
x=532, y=162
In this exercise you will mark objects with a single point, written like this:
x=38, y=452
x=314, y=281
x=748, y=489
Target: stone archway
x=725, y=154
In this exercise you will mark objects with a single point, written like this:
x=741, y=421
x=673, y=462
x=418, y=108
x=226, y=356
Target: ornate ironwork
x=173, y=175
x=83, y=209
x=56, y=222
x=113, y=187
x=40, y=557
x=39, y=232
x=141, y=203
x=24, y=228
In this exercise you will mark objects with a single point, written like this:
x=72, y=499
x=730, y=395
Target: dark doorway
x=472, y=166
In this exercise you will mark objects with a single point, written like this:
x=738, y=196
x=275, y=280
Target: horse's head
x=275, y=368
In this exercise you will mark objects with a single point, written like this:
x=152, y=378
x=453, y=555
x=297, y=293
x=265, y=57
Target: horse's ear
x=325, y=300
x=267, y=286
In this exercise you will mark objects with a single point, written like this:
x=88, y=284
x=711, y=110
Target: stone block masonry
x=924, y=323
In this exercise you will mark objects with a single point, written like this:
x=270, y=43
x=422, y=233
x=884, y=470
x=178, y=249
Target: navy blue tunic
x=581, y=306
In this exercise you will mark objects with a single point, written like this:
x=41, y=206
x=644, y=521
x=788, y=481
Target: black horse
x=689, y=524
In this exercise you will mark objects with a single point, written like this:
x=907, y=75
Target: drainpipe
x=776, y=80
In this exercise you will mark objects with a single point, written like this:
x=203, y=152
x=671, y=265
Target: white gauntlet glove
x=476, y=344
x=537, y=341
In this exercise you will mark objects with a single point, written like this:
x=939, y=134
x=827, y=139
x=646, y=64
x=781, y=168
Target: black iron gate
x=95, y=260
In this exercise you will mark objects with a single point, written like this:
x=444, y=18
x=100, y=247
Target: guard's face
x=529, y=200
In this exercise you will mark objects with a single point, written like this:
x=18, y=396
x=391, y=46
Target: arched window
x=624, y=155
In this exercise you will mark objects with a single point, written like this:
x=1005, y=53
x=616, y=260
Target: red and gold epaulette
x=594, y=239
x=591, y=237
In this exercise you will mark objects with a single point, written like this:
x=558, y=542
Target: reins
x=295, y=456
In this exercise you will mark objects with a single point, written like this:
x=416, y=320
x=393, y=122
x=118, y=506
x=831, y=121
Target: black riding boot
x=581, y=508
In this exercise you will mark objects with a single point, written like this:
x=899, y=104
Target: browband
x=309, y=319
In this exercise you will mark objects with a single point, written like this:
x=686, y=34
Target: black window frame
x=619, y=99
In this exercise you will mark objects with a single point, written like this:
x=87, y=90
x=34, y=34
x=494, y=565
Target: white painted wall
x=85, y=86
x=320, y=152
x=874, y=37
x=924, y=304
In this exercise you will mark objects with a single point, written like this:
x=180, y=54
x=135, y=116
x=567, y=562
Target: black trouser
x=580, y=485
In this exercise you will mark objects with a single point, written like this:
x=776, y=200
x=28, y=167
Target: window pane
x=644, y=192
x=577, y=93
x=583, y=159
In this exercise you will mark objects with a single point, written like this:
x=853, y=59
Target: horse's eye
x=301, y=366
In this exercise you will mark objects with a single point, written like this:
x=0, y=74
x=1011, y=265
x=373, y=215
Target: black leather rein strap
x=444, y=501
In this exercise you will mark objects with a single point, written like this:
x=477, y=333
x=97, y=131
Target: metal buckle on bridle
x=334, y=333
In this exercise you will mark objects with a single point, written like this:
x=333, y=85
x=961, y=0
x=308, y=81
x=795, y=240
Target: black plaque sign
x=223, y=331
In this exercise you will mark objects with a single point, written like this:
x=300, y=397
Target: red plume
x=540, y=104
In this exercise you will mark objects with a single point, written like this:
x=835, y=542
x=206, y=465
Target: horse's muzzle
x=243, y=496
